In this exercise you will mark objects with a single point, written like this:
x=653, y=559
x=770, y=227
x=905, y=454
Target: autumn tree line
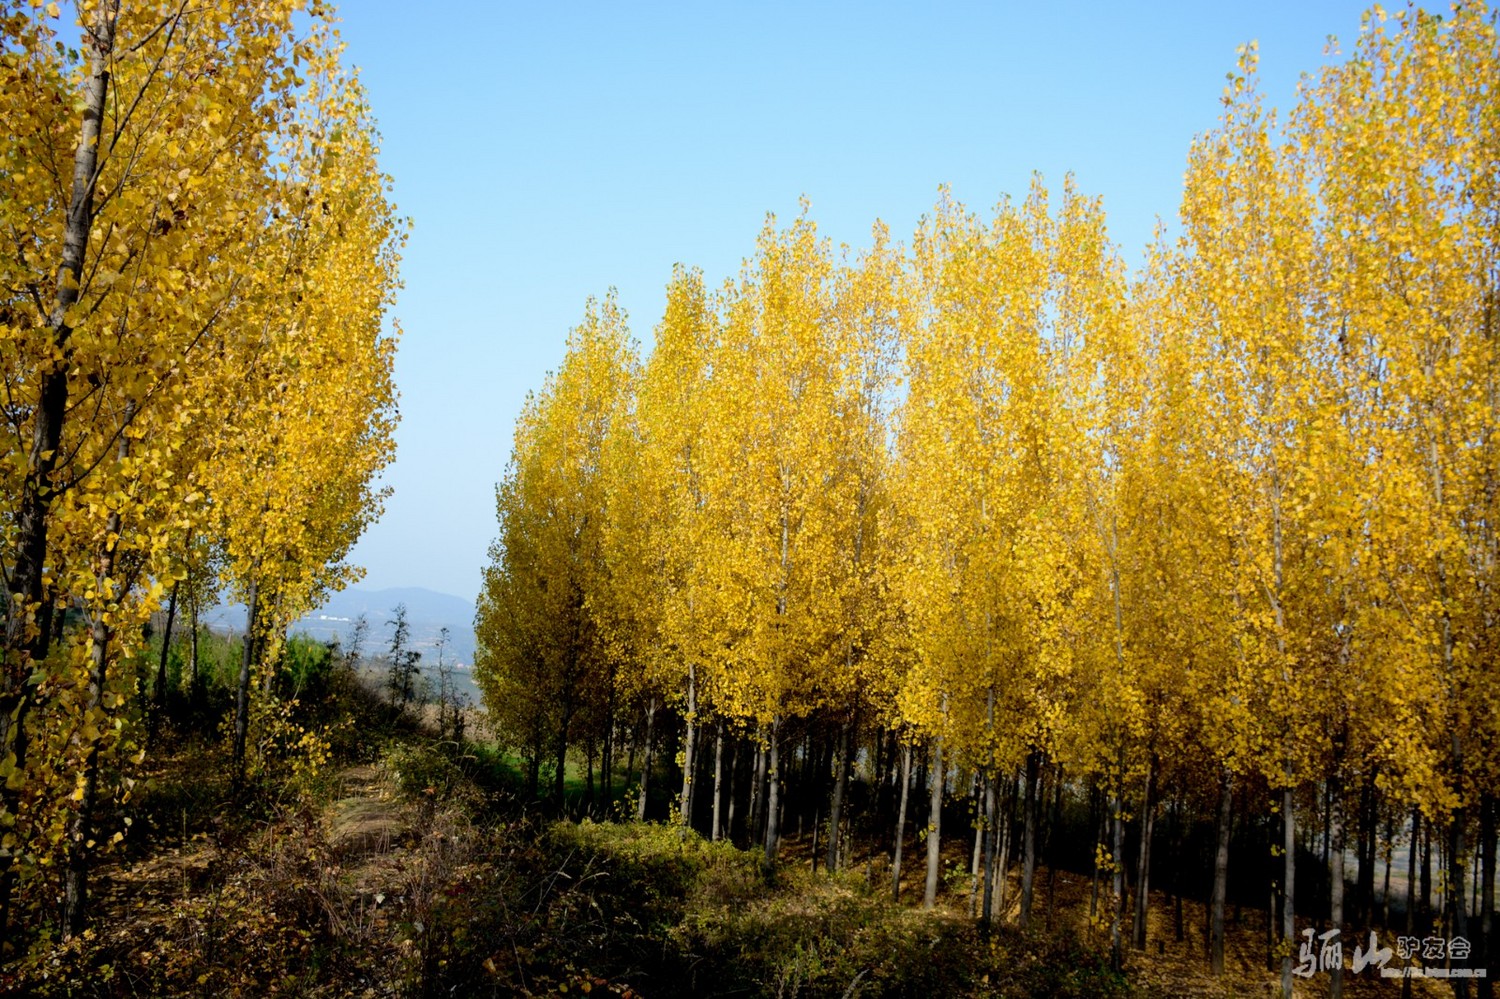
x=1217, y=535
x=198, y=254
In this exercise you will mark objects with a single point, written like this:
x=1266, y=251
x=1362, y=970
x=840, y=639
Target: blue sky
x=547, y=152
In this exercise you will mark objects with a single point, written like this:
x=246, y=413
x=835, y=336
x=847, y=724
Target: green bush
x=671, y=914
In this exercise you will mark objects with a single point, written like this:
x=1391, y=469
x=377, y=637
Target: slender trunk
x=1179, y=928
x=1364, y=907
x=1288, y=889
x=1273, y=919
x=816, y=828
x=1455, y=896
x=991, y=840
x=193, y=653
x=1388, y=853
x=1426, y=905
x=588, y=777
x=690, y=745
x=1117, y=860
x=773, y=800
x=840, y=788
x=1143, y=860
x=736, y=752
x=716, y=832
x=976, y=853
x=1335, y=819
x=269, y=674
x=901, y=822
x=159, y=695
x=607, y=763
x=1411, y=871
x=1328, y=827
x=758, y=793
x=1221, y=877
x=1007, y=806
x=560, y=776
x=630, y=745
x=1028, y=863
x=1053, y=825
x=242, y=688
x=81, y=822
x=80, y=842
x=934, y=823
x=1486, y=889
x=1097, y=820
x=646, y=752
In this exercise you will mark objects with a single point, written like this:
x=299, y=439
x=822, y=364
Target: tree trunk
x=560, y=776
x=607, y=762
x=588, y=777
x=1221, y=877
x=1336, y=878
x=1179, y=929
x=758, y=793
x=1364, y=905
x=1117, y=858
x=640, y=806
x=840, y=788
x=1411, y=871
x=1007, y=807
x=193, y=654
x=80, y=842
x=1053, y=824
x=1143, y=860
x=934, y=823
x=690, y=746
x=1028, y=863
x=991, y=811
x=630, y=746
x=1486, y=890
x=159, y=695
x=976, y=853
x=1389, y=852
x=716, y=832
x=1455, y=896
x=81, y=822
x=901, y=822
x=736, y=752
x=773, y=800
x=1288, y=889
x=242, y=688
x=1097, y=820
x=1426, y=904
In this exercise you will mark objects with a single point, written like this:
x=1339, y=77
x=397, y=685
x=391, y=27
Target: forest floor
x=409, y=869
x=1063, y=906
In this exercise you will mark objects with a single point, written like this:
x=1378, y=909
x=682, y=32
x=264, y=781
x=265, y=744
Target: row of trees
x=199, y=252
x=1222, y=530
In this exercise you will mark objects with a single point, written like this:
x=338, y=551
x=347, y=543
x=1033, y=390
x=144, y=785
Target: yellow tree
x=654, y=527
x=124, y=301
x=1402, y=135
x=870, y=307
x=292, y=471
x=555, y=498
x=773, y=487
x=988, y=473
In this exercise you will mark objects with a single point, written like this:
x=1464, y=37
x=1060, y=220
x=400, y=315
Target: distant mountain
x=427, y=613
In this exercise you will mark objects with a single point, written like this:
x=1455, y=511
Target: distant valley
x=427, y=613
